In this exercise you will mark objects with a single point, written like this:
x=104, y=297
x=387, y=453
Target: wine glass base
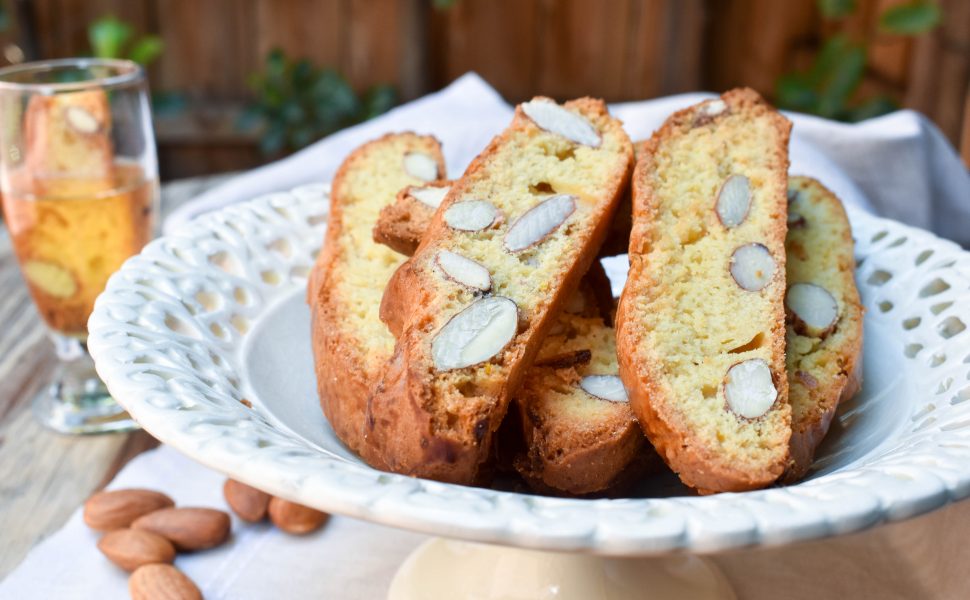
x=80, y=405
x=444, y=569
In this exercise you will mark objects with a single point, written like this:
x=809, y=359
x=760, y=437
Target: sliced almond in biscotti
x=824, y=327
x=532, y=210
x=350, y=343
x=402, y=224
x=701, y=322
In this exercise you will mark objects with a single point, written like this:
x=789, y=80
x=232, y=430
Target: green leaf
x=292, y=112
x=792, y=92
x=874, y=107
x=336, y=104
x=108, y=36
x=303, y=75
x=168, y=103
x=911, y=19
x=147, y=49
x=841, y=81
x=250, y=119
x=302, y=137
x=378, y=100
x=836, y=9
x=444, y=4
x=276, y=65
x=273, y=141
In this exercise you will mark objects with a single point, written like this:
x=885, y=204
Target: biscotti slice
x=701, y=321
x=507, y=246
x=68, y=136
x=580, y=434
x=824, y=325
x=350, y=343
x=401, y=225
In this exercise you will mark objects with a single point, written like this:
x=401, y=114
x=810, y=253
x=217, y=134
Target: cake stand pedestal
x=441, y=569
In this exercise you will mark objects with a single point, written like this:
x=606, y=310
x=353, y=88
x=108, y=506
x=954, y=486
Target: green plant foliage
x=827, y=87
x=444, y=4
x=111, y=37
x=297, y=103
x=911, y=19
x=836, y=9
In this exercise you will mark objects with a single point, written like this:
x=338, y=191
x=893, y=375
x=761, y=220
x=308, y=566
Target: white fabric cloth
x=898, y=166
x=347, y=559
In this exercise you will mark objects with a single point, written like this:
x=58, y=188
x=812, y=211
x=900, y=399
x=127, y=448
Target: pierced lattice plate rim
x=167, y=337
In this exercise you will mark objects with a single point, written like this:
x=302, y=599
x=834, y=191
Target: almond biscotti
x=701, y=321
x=350, y=343
x=507, y=246
x=824, y=329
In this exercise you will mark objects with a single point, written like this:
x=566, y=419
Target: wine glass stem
x=77, y=401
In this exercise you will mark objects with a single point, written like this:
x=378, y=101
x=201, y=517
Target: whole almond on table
x=247, y=502
x=117, y=509
x=187, y=528
x=295, y=518
x=161, y=582
x=132, y=548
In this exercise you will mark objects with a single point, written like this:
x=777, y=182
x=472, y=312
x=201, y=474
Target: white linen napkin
x=898, y=166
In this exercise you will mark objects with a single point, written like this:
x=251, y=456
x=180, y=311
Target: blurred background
x=237, y=83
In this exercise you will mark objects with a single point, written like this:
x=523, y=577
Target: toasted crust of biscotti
x=823, y=369
x=439, y=422
x=350, y=344
x=402, y=224
x=683, y=321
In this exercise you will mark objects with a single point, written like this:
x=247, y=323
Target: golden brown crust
x=822, y=389
x=403, y=223
x=347, y=367
x=405, y=427
x=698, y=465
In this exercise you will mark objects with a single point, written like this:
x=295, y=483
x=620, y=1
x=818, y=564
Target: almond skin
x=117, y=509
x=132, y=548
x=295, y=518
x=161, y=582
x=247, y=502
x=187, y=528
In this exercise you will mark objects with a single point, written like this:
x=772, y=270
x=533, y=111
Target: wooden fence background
x=617, y=49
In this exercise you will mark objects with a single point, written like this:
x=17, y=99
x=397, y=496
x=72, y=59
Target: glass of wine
x=79, y=186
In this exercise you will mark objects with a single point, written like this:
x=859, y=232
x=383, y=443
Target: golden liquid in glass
x=70, y=235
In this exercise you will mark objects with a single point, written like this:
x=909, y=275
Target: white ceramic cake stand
x=205, y=323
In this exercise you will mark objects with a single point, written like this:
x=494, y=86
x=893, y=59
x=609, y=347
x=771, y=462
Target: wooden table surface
x=45, y=476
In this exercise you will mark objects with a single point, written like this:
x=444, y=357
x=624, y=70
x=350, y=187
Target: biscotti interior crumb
x=365, y=265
